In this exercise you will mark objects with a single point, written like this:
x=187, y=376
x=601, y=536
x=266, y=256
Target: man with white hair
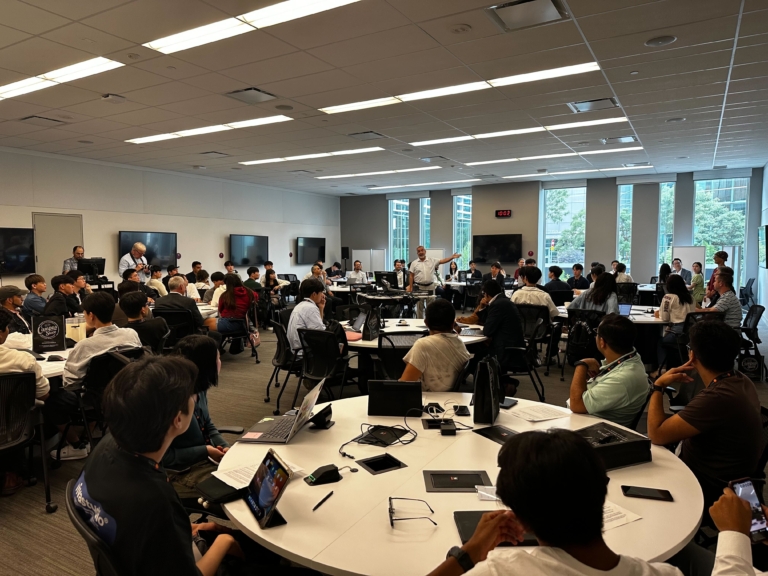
x=135, y=259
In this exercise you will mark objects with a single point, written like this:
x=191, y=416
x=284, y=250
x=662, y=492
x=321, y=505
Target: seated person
x=155, y=282
x=308, y=313
x=616, y=388
x=124, y=482
x=728, y=302
x=253, y=278
x=621, y=273
x=272, y=284
x=496, y=274
x=151, y=331
x=675, y=306
x=130, y=275
x=331, y=301
x=119, y=318
x=503, y=328
x=578, y=281
x=82, y=289
x=202, y=439
x=218, y=281
x=268, y=265
x=720, y=427
x=234, y=305
x=202, y=284
x=57, y=305
x=400, y=274
x=192, y=276
x=311, y=272
x=533, y=466
x=436, y=360
x=190, y=291
x=601, y=297
x=334, y=272
x=13, y=361
x=614, y=263
x=34, y=302
x=229, y=266
x=11, y=301
x=531, y=294
x=357, y=275
x=173, y=270
x=555, y=284
x=178, y=300
x=474, y=274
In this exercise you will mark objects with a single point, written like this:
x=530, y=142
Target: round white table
x=53, y=369
x=411, y=324
x=350, y=534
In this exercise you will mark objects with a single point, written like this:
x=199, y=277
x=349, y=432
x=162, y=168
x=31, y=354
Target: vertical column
x=645, y=231
x=602, y=221
x=414, y=227
x=684, y=200
x=754, y=213
x=441, y=207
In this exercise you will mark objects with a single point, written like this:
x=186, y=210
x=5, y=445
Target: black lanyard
x=149, y=461
x=722, y=376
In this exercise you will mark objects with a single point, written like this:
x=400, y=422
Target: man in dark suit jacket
x=495, y=274
x=57, y=305
x=192, y=276
x=178, y=300
x=473, y=273
x=151, y=331
x=555, y=284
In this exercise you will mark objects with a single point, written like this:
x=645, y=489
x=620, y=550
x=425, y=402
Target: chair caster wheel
x=51, y=508
x=266, y=400
x=32, y=481
x=276, y=412
x=277, y=385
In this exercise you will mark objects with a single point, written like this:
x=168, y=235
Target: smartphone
x=507, y=403
x=647, y=493
x=461, y=410
x=746, y=491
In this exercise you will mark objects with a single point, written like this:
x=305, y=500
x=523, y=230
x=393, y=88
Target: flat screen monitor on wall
x=761, y=247
x=248, y=250
x=310, y=250
x=17, y=250
x=161, y=246
x=490, y=248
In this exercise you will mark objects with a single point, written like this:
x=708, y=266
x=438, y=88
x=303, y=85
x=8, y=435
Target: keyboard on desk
x=281, y=429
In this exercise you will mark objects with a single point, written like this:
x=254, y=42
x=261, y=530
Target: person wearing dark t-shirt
x=555, y=284
x=578, y=281
x=63, y=287
x=151, y=331
x=721, y=427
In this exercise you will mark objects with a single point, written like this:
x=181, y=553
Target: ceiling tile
x=430, y=9
x=669, y=66
x=358, y=93
x=76, y=9
x=205, y=104
x=10, y=109
x=54, y=134
x=18, y=141
x=681, y=80
x=145, y=20
x=119, y=80
x=276, y=69
x=404, y=65
x=427, y=81
x=556, y=58
x=582, y=8
x=462, y=27
x=236, y=51
x=96, y=126
x=754, y=23
x=217, y=83
x=27, y=18
x=165, y=94
x=59, y=96
x=38, y=55
x=748, y=71
x=171, y=67
x=88, y=39
x=99, y=108
x=10, y=36
x=311, y=84
x=14, y=128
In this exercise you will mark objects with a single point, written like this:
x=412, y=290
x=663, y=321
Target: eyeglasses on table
x=391, y=510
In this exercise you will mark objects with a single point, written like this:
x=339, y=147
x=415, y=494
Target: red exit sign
x=503, y=213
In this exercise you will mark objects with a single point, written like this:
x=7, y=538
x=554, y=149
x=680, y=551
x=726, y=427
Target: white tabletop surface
x=350, y=534
x=345, y=289
x=638, y=315
x=411, y=324
x=52, y=369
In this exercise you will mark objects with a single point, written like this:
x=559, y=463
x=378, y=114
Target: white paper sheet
x=615, y=516
x=538, y=413
x=240, y=477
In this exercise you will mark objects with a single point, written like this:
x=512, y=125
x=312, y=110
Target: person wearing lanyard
x=422, y=275
x=617, y=389
x=135, y=259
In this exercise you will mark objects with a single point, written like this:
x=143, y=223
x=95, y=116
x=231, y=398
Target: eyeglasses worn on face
x=391, y=510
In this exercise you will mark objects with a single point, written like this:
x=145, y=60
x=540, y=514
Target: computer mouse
x=56, y=358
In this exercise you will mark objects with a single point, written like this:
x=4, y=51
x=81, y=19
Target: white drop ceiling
x=715, y=76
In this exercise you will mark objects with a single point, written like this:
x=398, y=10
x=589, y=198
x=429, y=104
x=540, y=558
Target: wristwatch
x=658, y=388
x=461, y=557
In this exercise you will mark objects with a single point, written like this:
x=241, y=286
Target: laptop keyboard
x=400, y=340
x=281, y=429
x=471, y=332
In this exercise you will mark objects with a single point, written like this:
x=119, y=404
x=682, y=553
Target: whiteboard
x=689, y=255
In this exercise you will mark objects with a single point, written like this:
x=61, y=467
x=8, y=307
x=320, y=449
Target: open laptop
x=357, y=324
x=281, y=430
x=393, y=398
x=625, y=309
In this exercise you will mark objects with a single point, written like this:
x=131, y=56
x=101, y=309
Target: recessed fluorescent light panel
x=60, y=76
x=426, y=184
x=378, y=173
x=290, y=10
x=442, y=141
x=509, y=132
x=210, y=129
x=630, y=149
x=586, y=123
x=547, y=156
x=462, y=88
x=319, y=155
x=576, y=172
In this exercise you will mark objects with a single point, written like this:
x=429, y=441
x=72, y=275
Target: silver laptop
x=281, y=430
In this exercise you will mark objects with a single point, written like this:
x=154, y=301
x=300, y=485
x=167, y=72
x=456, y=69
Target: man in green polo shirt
x=253, y=278
x=617, y=388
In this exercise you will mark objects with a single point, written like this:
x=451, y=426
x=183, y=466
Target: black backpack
x=581, y=340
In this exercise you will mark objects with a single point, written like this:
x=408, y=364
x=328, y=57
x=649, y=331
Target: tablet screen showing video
x=267, y=487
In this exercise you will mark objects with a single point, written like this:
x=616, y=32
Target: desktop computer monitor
x=92, y=268
x=390, y=277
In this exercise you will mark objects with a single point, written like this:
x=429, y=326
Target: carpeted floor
x=38, y=544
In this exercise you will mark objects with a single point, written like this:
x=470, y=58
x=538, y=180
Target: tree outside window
x=565, y=227
x=398, y=229
x=462, y=229
x=666, y=222
x=625, y=225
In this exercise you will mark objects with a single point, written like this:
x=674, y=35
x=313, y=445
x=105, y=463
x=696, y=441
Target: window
x=666, y=223
x=719, y=220
x=398, y=231
x=625, y=225
x=424, y=225
x=565, y=227
x=462, y=230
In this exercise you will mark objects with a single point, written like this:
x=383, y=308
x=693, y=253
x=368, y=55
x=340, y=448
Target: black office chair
x=181, y=323
x=750, y=338
x=284, y=359
x=530, y=314
x=560, y=297
x=758, y=477
x=626, y=292
x=285, y=317
x=461, y=377
x=654, y=280
x=472, y=289
x=639, y=415
x=350, y=311
x=103, y=560
x=392, y=348
x=746, y=295
x=21, y=423
x=682, y=339
x=525, y=359
x=582, y=327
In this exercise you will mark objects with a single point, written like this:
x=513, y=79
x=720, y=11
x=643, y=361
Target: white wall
x=202, y=211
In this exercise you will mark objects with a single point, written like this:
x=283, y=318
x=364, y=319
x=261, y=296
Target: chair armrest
x=375, y=357
x=231, y=429
x=349, y=357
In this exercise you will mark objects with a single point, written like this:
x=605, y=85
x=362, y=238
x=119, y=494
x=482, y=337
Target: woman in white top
x=675, y=306
x=155, y=281
x=621, y=274
x=202, y=280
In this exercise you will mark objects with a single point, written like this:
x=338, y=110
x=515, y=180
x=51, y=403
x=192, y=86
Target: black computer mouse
x=56, y=358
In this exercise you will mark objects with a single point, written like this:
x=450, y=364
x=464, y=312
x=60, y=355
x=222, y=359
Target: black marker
x=322, y=501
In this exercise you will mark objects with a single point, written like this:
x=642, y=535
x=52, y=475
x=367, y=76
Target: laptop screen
x=267, y=486
x=359, y=321
x=625, y=309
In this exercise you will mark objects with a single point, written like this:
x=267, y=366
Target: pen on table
x=322, y=501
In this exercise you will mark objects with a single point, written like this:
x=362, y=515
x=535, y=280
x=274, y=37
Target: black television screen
x=17, y=250
x=248, y=250
x=161, y=246
x=310, y=250
x=491, y=248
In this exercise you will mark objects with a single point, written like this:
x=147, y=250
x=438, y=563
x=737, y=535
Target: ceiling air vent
x=251, y=95
x=592, y=105
x=520, y=14
x=370, y=135
x=619, y=140
x=214, y=154
x=42, y=121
